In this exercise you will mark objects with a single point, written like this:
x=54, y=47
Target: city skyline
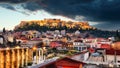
x=99, y=13
x=59, y=33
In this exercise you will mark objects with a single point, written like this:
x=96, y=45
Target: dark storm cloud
x=102, y=11
x=32, y=6
x=96, y=10
x=93, y=10
x=108, y=25
x=13, y=1
x=7, y=6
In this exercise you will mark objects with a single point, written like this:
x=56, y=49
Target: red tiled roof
x=37, y=39
x=23, y=38
x=54, y=44
x=91, y=50
x=105, y=46
x=68, y=62
x=112, y=52
x=78, y=41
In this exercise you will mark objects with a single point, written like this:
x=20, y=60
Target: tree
x=40, y=45
x=117, y=37
x=4, y=30
x=14, y=41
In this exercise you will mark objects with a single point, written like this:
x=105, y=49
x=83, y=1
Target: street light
x=7, y=48
x=17, y=47
x=111, y=65
x=34, y=48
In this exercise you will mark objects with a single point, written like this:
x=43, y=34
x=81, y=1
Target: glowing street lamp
x=7, y=48
x=17, y=47
x=34, y=48
x=111, y=65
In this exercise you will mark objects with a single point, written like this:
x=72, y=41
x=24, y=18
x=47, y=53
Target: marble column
x=13, y=58
x=18, y=58
x=22, y=57
x=2, y=57
x=26, y=59
x=7, y=62
x=41, y=54
x=37, y=57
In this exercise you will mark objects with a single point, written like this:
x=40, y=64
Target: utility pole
x=115, y=59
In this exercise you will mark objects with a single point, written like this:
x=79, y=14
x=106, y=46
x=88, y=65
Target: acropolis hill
x=55, y=23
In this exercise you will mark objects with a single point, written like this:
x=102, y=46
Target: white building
x=1, y=41
x=81, y=57
x=10, y=38
x=79, y=45
x=63, y=32
x=47, y=41
x=77, y=33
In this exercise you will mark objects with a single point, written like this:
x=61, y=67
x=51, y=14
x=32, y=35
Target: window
x=76, y=48
x=80, y=49
x=84, y=48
